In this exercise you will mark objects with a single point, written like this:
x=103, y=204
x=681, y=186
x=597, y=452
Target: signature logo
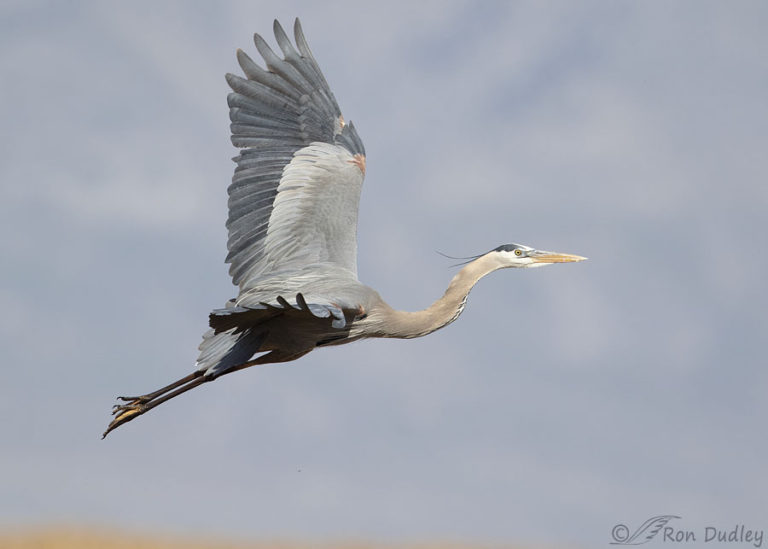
x=658, y=530
x=644, y=533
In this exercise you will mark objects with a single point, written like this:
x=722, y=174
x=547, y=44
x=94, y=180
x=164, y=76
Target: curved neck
x=404, y=324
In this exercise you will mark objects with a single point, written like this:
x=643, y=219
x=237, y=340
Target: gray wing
x=294, y=196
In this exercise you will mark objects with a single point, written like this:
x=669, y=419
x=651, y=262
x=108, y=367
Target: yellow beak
x=553, y=257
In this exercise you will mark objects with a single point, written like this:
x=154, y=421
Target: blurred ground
x=72, y=538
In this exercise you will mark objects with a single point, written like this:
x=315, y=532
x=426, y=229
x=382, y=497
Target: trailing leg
x=135, y=406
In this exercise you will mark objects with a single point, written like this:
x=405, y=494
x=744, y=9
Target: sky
x=563, y=402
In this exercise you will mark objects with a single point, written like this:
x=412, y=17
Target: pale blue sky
x=565, y=400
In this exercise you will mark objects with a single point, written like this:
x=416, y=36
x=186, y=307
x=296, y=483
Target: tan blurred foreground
x=71, y=538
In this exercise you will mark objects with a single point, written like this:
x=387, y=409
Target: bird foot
x=118, y=409
x=126, y=412
x=131, y=403
x=134, y=406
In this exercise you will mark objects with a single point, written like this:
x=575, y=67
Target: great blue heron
x=292, y=226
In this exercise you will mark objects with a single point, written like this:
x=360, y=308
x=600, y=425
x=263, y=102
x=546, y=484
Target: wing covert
x=295, y=191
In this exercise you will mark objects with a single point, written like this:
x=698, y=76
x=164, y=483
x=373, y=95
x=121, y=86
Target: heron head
x=519, y=255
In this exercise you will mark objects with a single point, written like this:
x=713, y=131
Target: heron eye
x=518, y=252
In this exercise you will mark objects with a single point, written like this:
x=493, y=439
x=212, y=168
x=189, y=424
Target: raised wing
x=294, y=196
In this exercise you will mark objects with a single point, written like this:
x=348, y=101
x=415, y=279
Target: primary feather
x=293, y=204
x=295, y=145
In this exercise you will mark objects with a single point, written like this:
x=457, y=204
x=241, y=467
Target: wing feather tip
x=277, y=27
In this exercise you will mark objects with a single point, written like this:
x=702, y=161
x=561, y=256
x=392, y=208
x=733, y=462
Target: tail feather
x=220, y=352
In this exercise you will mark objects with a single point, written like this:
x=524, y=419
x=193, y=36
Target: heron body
x=293, y=205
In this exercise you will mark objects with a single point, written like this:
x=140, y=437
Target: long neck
x=404, y=324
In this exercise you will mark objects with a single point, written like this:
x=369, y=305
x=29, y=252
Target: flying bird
x=292, y=224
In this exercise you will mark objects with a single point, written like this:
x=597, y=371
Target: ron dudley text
x=738, y=534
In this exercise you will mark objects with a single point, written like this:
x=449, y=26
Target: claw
x=119, y=408
x=132, y=403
